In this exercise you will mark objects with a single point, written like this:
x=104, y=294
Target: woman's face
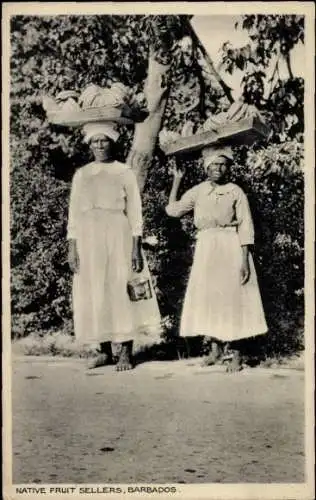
x=216, y=170
x=101, y=147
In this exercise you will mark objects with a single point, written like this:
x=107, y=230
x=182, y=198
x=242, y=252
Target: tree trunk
x=146, y=133
x=156, y=90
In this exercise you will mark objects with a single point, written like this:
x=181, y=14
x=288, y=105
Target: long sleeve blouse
x=217, y=206
x=107, y=186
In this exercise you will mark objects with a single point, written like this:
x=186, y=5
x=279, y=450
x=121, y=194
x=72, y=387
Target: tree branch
x=275, y=71
x=198, y=43
x=287, y=58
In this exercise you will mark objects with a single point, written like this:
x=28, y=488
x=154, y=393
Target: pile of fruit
x=118, y=96
x=237, y=112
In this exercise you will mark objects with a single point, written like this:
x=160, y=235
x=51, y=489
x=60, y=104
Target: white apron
x=216, y=304
x=101, y=305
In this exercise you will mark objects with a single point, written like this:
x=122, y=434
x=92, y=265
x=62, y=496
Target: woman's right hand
x=73, y=257
x=177, y=173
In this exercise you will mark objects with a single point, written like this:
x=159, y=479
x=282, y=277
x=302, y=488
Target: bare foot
x=125, y=361
x=235, y=364
x=101, y=360
x=214, y=355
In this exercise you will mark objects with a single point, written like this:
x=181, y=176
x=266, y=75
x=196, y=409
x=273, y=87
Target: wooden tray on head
x=245, y=132
x=79, y=118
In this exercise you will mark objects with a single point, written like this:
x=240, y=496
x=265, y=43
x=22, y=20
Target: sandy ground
x=164, y=422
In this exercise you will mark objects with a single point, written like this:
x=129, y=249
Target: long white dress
x=104, y=214
x=216, y=303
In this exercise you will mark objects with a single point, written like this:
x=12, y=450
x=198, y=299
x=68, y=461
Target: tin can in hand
x=139, y=288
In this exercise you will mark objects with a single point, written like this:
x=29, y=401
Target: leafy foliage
x=271, y=38
x=50, y=54
x=273, y=179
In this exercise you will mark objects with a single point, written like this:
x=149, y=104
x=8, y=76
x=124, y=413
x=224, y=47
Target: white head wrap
x=211, y=154
x=96, y=128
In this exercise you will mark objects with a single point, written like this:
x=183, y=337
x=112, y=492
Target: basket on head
x=81, y=117
x=229, y=129
x=95, y=104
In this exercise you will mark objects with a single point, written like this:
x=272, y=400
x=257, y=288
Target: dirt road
x=164, y=422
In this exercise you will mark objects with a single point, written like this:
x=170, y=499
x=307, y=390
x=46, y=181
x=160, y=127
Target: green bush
x=274, y=182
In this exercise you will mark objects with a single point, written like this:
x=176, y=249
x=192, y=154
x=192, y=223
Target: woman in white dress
x=105, y=249
x=222, y=300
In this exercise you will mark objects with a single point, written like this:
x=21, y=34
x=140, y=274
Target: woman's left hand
x=245, y=271
x=137, y=261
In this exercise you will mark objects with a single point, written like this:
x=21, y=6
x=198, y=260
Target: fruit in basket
x=214, y=122
x=187, y=129
x=93, y=97
x=238, y=111
x=96, y=97
x=106, y=98
x=87, y=96
x=121, y=91
x=69, y=106
x=98, y=101
x=66, y=94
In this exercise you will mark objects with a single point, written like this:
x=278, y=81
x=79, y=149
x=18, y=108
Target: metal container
x=139, y=288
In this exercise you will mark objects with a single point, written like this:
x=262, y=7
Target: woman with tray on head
x=222, y=300
x=105, y=253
